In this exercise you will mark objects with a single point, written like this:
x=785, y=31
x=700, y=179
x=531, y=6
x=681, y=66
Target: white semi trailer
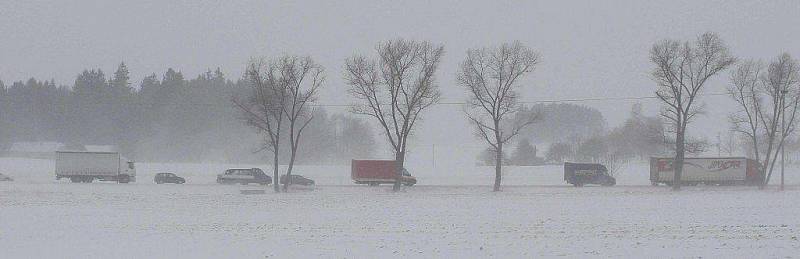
x=89, y=166
x=707, y=170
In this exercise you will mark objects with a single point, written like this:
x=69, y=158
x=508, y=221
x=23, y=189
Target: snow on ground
x=44, y=218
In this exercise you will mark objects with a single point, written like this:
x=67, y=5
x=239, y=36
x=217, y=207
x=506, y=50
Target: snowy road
x=60, y=219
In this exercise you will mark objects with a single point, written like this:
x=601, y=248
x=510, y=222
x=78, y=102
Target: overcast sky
x=589, y=48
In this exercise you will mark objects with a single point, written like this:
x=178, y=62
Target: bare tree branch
x=263, y=106
x=395, y=88
x=490, y=76
x=681, y=70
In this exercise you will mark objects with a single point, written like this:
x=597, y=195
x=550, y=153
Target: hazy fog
x=589, y=48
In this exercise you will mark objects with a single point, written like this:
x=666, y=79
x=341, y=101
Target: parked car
x=168, y=178
x=376, y=172
x=4, y=178
x=297, y=179
x=579, y=174
x=244, y=176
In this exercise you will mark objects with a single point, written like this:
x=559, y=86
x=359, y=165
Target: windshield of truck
x=130, y=165
x=406, y=173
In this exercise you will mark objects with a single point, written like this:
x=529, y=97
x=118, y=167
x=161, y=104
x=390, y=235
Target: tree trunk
x=498, y=167
x=767, y=166
x=275, y=182
x=498, y=159
x=289, y=170
x=399, y=159
x=772, y=164
x=761, y=169
x=677, y=165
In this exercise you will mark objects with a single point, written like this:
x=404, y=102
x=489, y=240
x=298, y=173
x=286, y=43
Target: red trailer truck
x=375, y=172
x=709, y=171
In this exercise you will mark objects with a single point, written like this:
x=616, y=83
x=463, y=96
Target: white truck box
x=89, y=166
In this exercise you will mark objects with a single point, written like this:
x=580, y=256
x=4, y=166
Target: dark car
x=244, y=176
x=168, y=178
x=580, y=174
x=297, y=179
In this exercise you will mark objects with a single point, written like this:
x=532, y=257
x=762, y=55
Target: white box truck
x=85, y=167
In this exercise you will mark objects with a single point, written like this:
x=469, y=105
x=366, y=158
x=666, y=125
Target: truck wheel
x=75, y=179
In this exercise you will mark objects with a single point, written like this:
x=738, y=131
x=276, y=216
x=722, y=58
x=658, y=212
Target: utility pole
x=433, y=155
x=731, y=143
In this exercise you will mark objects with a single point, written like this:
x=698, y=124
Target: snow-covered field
x=450, y=217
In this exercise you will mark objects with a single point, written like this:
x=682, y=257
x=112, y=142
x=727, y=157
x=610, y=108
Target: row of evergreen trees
x=170, y=118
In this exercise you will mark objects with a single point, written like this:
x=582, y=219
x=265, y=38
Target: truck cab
x=408, y=179
x=128, y=169
x=580, y=174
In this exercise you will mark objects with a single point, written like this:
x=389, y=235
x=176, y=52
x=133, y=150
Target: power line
x=625, y=98
x=572, y=100
x=586, y=99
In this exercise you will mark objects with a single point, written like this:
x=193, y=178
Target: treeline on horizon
x=166, y=118
x=169, y=118
x=568, y=132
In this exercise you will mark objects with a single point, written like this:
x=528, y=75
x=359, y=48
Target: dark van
x=580, y=174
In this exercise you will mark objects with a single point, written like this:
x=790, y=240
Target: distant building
x=43, y=149
x=47, y=149
x=35, y=147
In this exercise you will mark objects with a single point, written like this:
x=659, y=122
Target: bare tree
x=491, y=76
x=300, y=78
x=614, y=162
x=395, y=88
x=765, y=100
x=262, y=108
x=745, y=90
x=781, y=82
x=681, y=70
